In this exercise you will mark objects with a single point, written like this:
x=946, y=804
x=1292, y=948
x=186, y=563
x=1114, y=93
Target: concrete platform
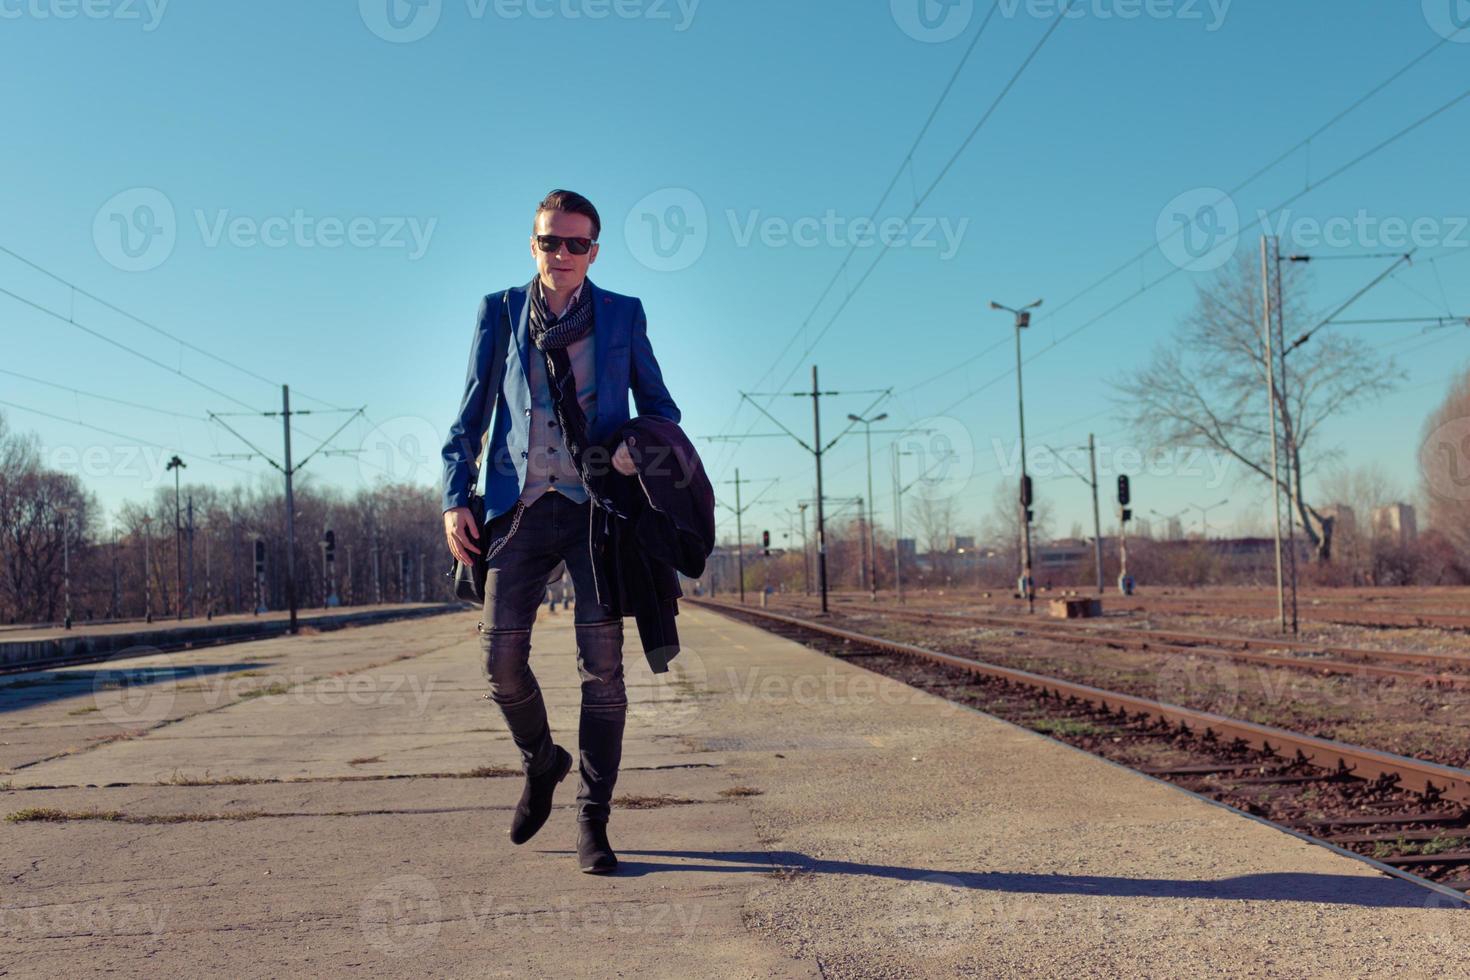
x=336, y=805
x=23, y=646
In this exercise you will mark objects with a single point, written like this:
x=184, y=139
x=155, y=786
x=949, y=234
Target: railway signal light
x=259, y=556
x=765, y=542
x=1123, y=498
x=329, y=541
x=1026, y=492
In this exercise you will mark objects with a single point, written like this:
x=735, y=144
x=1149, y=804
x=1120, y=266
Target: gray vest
x=548, y=464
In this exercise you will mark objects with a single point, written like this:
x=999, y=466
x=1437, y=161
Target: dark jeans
x=551, y=530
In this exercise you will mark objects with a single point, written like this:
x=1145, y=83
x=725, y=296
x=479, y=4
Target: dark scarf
x=551, y=335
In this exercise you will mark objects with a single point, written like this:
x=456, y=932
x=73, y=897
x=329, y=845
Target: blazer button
x=528, y=413
x=524, y=454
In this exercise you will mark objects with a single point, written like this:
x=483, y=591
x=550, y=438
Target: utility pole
x=191, y=556
x=177, y=465
x=235, y=561
x=1023, y=320
x=872, y=550
x=898, y=491
x=208, y=576
x=258, y=546
x=147, y=579
x=897, y=523
x=816, y=449
x=1278, y=326
x=1097, y=555
x=821, y=514
x=739, y=539
x=740, y=510
x=1096, y=518
x=1268, y=329
x=288, y=470
x=66, y=564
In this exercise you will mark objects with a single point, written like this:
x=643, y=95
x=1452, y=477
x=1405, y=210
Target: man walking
x=574, y=352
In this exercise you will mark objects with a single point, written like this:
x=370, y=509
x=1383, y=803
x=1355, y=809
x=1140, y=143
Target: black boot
x=535, y=805
x=594, y=854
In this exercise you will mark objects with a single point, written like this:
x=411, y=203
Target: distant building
x=1174, y=530
x=1064, y=555
x=908, y=547
x=1395, y=524
x=962, y=542
x=1345, y=521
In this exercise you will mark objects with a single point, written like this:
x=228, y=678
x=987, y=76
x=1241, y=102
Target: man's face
x=561, y=270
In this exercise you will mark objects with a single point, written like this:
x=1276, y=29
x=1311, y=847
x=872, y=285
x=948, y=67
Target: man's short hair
x=572, y=203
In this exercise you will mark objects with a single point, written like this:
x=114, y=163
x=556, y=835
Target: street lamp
x=178, y=465
x=1023, y=320
x=1204, y=525
x=872, y=552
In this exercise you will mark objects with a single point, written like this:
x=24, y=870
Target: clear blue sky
x=245, y=119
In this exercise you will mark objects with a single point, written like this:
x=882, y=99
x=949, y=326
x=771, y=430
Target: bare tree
x=1002, y=526
x=1444, y=466
x=934, y=517
x=1206, y=389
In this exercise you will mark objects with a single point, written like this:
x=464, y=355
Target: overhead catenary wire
x=1311, y=185
x=841, y=272
x=70, y=318
x=121, y=435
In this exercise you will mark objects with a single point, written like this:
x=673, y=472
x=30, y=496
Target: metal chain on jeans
x=498, y=543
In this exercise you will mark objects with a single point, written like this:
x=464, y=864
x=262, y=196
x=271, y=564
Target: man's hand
x=623, y=460
x=459, y=528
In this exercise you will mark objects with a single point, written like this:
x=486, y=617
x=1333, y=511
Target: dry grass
x=633, y=802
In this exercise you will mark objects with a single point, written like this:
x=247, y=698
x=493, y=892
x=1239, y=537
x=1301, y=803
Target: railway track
x=1338, y=610
x=1345, y=615
x=1322, y=659
x=1409, y=814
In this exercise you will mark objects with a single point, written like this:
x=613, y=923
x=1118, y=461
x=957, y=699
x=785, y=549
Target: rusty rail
x=1415, y=775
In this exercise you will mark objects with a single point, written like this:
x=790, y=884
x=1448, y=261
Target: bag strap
x=501, y=350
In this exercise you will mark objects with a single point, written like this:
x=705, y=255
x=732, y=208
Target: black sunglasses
x=550, y=243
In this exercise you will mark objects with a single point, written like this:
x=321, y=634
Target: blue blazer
x=624, y=361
